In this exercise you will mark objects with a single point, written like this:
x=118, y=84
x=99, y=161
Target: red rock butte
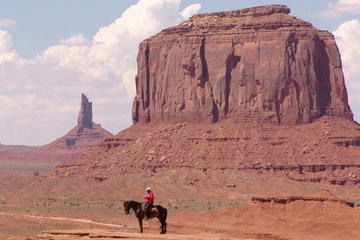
x=236, y=82
x=257, y=63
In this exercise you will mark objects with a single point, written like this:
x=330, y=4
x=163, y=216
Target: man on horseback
x=149, y=202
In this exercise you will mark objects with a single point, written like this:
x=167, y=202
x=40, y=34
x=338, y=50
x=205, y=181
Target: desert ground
x=297, y=220
x=220, y=215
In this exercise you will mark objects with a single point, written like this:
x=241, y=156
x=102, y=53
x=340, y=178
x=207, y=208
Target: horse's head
x=127, y=207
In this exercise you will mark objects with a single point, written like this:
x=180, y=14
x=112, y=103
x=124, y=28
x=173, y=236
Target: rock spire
x=85, y=114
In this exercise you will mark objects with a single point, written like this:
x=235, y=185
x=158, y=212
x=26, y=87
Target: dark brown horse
x=138, y=208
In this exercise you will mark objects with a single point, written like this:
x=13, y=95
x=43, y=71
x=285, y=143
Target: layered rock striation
x=259, y=63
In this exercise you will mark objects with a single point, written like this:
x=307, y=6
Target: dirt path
x=98, y=234
x=123, y=231
x=78, y=220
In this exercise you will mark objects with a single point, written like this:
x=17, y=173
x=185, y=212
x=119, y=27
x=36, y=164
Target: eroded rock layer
x=259, y=64
x=325, y=151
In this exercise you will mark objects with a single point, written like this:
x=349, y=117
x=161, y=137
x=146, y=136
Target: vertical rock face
x=85, y=114
x=258, y=63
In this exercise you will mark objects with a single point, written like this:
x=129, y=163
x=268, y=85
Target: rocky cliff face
x=258, y=63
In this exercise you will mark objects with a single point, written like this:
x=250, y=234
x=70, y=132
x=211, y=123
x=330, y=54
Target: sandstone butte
x=253, y=91
x=258, y=62
x=85, y=135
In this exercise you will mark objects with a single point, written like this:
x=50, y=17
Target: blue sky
x=42, y=23
x=49, y=54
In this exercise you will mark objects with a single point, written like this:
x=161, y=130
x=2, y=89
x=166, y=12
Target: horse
x=156, y=211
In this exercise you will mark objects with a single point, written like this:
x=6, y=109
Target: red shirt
x=149, y=198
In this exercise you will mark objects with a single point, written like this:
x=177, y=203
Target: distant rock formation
x=257, y=63
x=85, y=135
x=85, y=114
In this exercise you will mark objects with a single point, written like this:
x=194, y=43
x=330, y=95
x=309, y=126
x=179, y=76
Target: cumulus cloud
x=44, y=92
x=191, y=10
x=6, y=53
x=7, y=22
x=347, y=37
x=76, y=40
x=341, y=7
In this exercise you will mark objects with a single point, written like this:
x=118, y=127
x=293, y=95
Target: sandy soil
x=293, y=220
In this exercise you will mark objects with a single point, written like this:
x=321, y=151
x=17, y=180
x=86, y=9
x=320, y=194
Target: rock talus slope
x=259, y=62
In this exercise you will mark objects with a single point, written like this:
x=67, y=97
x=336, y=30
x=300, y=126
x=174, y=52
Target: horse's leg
x=140, y=224
x=163, y=224
x=163, y=228
x=165, y=217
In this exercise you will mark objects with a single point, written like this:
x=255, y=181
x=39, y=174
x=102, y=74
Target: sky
x=51, y=51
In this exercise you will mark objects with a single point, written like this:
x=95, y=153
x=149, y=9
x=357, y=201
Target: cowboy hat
x=148, y=189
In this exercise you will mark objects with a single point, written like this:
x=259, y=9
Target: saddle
x=152, y=211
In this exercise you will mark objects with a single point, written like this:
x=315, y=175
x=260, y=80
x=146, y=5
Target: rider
x=149, y=201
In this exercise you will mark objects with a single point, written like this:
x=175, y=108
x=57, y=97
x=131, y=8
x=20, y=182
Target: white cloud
x=341, y=7
x=6, y=53
x=7, y=22
x=347, y=37
x=191, y=10
x=45, y=91
x=76, y=40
